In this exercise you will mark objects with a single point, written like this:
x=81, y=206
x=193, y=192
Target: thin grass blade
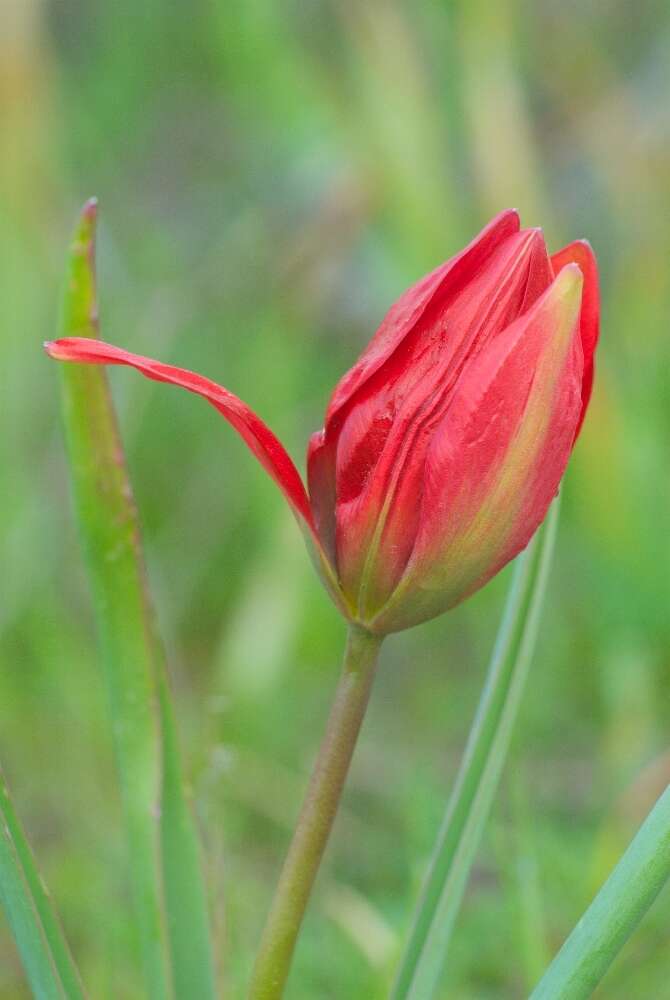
x=614, y=913
x=478, y=777
x=45, y=955
x=169, y=894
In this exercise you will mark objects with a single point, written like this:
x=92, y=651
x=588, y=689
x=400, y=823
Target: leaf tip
x=84, y=235
x=79, y=311
x=90, y=209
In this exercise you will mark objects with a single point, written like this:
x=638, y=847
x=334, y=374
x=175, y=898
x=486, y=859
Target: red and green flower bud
x=445, y=444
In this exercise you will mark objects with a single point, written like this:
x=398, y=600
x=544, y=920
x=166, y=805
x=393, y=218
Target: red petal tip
x=90, y=208
x=52, y=349
x=512, y=212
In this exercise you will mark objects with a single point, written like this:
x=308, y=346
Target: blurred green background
x=271, y=176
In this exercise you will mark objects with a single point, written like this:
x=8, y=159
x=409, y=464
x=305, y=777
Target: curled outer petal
x=496, y=461
x=256, y=434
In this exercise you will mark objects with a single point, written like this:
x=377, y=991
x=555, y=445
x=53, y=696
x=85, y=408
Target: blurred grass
x=271, y=176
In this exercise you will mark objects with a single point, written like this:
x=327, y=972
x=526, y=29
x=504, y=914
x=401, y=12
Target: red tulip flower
x=444, y=445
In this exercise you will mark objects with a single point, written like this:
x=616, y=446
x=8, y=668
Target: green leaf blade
x=159, y=829
x=44, y=952
x=614, y=913
x=479, y=774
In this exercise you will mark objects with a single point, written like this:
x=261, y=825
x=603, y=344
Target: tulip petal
x=580, y=252
x=403, y=316
x=321, y=479
x=400, y=320
x=495, y=462
x=257, y=435
x=382, y=441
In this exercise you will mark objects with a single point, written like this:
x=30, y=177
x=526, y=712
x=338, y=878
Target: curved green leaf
x=614, y=913
x=479, y=773
x=169, y=894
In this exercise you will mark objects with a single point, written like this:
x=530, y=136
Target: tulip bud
x=445, y=444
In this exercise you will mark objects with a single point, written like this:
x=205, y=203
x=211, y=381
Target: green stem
x=316, y=818
x=614, y=913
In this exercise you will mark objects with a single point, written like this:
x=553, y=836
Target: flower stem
x=316, y=818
